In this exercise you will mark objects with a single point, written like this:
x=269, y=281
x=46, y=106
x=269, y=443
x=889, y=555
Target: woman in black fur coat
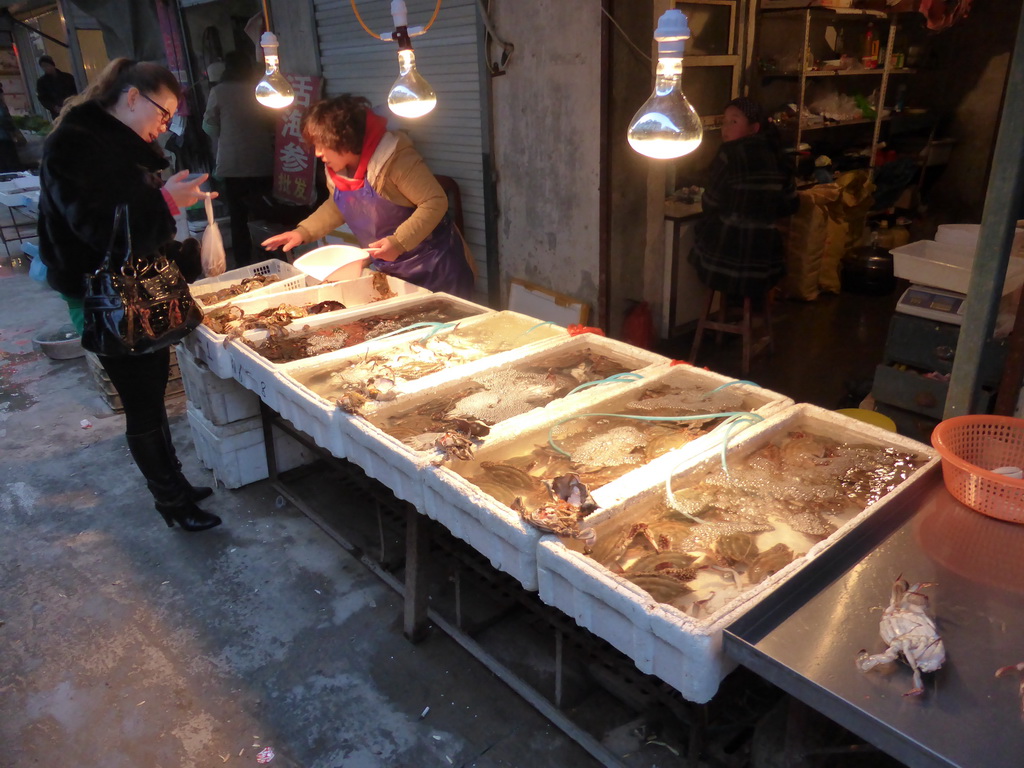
x=101, y=154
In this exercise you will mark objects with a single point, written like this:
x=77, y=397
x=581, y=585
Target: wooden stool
x=744, y=327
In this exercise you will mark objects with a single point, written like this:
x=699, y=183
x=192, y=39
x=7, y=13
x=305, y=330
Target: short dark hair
x=750, y=109
x=46, y=60
x=338, y=124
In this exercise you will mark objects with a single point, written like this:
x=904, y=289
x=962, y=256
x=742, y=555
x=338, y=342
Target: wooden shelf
x=842, y=123
x=837, y=73
x=850, y=12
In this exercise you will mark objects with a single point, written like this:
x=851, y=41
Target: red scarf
x=376, y=126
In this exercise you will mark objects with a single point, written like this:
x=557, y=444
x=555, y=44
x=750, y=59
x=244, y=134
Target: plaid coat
x=737, y=246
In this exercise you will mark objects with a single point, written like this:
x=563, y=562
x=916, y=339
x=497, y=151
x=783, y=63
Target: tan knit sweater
x=398, y=174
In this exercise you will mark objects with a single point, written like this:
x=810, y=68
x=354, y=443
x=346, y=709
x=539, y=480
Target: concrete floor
x=124, y=643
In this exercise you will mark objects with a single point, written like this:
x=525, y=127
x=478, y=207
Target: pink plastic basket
x=971, y=447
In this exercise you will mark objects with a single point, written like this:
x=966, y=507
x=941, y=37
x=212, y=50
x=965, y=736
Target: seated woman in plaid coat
x=737, y=245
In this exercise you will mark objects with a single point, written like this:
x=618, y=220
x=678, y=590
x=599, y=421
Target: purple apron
x=438, y=263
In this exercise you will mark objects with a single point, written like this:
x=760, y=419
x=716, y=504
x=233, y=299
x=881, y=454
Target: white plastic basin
x=941, y=265
x=966, y=236
x=334, y=263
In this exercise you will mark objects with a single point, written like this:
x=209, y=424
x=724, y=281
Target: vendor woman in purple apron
x=383, y=190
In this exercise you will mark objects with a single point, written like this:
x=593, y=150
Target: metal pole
x=1002, y=204
x=74, y=48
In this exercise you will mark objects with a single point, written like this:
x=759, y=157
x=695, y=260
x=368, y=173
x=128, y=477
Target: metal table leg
x=416, y=540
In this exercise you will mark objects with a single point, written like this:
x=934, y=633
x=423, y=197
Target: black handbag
x=139, y=307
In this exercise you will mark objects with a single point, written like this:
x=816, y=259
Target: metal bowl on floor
x=61, y=344
x=868, y=270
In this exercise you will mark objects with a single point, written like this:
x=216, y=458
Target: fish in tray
x=237, y=289
x=232, y=320
x=909, y=630
x=493, y=397
x=728, y=531
x=306, y=342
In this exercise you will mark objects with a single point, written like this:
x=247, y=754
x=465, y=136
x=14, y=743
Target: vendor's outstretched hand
x=286, y=241
x=383, y=249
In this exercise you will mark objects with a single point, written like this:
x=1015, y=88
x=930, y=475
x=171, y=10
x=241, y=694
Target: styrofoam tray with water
x=683, y=649
x=310, y=413
x=493, y=528
x=370, y=446
x=210, y=347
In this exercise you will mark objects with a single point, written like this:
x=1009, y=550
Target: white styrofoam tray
x=236, y=452
x=684, y=651
x=313, y=414
x=374, y=449
x=20, y=191
x=211, y=347
x=332, y=426
x=946, y=266
x=221, y=401
x=498, y=532
x=291, y=277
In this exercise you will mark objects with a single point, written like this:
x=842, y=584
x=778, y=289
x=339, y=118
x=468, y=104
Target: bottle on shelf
x=869, y=55
x=901, y=98
x=883, y=238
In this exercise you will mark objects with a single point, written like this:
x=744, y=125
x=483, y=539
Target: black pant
x=241, y=191
x=141, y=381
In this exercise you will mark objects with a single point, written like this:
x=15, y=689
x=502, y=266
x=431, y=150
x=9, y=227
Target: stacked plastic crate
x=227, y=428
x=106, y=388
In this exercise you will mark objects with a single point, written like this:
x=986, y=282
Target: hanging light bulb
x=273, y=90
x=411, y=94
x=667, y=126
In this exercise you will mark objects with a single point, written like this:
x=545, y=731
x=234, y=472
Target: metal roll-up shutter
x=450, y=138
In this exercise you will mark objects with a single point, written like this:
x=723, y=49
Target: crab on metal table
x=910, y=630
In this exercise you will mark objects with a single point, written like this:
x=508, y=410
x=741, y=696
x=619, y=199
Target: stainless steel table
x=806, y=636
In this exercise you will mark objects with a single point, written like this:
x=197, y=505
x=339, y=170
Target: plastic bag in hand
x=214, y=261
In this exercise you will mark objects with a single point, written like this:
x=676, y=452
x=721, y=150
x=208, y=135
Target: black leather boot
x=194, y=492
x=157, y=465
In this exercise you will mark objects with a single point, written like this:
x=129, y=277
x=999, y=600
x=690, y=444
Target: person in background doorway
x=244, y=134
x=737, y=245
x=103, y=153
x=54, y=87
x=384, y=191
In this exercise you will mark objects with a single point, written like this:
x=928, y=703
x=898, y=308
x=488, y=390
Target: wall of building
x=547, y=129
x=636, y=247
x=963, y=81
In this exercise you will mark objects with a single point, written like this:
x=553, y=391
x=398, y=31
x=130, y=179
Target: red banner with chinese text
x=294, y=163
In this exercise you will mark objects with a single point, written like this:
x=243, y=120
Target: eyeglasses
x=165, y=116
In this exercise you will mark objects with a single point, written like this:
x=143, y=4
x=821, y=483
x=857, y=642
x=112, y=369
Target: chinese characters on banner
x=294, y=164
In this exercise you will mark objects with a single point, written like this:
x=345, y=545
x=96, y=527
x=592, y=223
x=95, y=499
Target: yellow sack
x=847, y=215
x=805, y=242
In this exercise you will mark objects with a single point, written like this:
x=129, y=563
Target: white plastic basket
x=291, y=277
